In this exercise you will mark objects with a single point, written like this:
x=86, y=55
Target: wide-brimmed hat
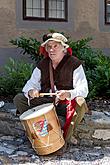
x=58, y=37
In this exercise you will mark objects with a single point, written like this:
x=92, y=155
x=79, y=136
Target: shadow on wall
x=6, y=53
x=106, y=51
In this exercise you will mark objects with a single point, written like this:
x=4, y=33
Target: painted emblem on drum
x=40, y=127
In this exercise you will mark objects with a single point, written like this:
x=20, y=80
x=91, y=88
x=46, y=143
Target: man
x=58, y=72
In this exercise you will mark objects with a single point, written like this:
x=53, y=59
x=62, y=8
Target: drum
x=43, y=129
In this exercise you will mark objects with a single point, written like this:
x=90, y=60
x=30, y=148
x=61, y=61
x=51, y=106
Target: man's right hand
x=33, y=93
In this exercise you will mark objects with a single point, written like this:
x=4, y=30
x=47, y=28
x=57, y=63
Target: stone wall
x=84, y=20
x=85, y=17
x=95, y=129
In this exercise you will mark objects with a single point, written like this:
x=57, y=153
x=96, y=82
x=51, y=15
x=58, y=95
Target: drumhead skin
x=37, y=111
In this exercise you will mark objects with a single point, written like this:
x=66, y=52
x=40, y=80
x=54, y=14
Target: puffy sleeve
x=80, y=85
x=34, y=82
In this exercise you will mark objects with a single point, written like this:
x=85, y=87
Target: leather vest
x=63, y=74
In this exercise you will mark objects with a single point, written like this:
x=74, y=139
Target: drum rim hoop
x=23, y=117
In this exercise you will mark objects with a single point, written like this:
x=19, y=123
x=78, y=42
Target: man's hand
x=63, y=94
x=33, y=93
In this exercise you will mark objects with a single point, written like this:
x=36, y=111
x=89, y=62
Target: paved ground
x=17, y=151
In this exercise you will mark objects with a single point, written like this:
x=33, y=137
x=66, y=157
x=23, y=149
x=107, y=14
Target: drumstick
x=47, y=94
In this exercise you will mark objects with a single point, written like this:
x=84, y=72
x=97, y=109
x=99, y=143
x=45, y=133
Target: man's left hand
x=63, y=94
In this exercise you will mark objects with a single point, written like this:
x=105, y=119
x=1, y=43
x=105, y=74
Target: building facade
x=83, y=19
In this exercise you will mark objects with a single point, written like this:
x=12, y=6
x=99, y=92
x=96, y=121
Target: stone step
x=9, y=122
x=93, y=130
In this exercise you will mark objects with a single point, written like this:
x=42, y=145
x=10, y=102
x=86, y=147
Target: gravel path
x=17, y=151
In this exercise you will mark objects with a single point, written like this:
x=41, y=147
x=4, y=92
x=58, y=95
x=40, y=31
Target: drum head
x=37, y=111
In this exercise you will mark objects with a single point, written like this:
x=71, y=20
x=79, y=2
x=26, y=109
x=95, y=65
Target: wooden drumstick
x=47, y=94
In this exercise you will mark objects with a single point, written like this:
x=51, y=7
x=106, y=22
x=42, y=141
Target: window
x=107, y=11
x=48, y=10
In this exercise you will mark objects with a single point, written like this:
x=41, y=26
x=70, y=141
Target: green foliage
x=96, y=64
x=15, y=75
x=101, y=77
x=29, y=46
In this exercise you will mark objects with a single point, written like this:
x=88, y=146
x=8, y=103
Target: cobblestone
x=16, y=151
x=15, y=148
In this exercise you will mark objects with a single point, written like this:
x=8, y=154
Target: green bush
x=15, y=75
x=101, y=77
x=96, y=64
x=29, y=46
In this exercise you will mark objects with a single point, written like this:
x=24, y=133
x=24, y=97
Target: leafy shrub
x=96, y=65
x=15, y=75
x=29, y=46
x=101, y=77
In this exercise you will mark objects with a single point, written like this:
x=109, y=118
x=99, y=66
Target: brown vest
x=63, y=74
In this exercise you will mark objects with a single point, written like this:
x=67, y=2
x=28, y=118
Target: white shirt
x=80, y=85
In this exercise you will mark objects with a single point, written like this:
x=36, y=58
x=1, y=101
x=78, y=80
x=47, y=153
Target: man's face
x=55, y=50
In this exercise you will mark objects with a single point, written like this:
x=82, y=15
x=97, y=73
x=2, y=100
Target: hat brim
x=53, y=39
